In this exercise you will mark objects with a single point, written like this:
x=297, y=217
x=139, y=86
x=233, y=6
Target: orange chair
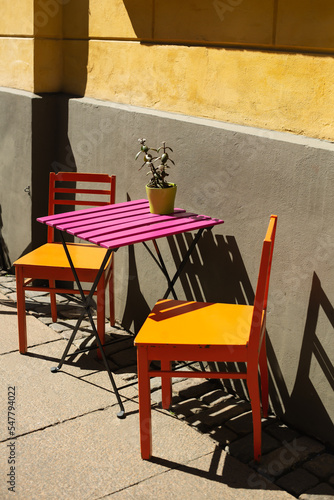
x=213, y=332
x=49, y=261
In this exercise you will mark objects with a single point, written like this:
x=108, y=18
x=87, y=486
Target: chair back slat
x=82, y=191
x=80, y=202
x=66, y=195
x=262, y=288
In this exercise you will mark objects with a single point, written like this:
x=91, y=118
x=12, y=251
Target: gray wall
x=15, y=171
x=28, y=136
x=241, y=175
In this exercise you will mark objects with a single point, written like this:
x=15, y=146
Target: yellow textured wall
x=17, y=63
x=48, y=49
x=245, y=61
x=249, y=22
x=17, y=17
x=262, y=63
x=114, y=20
x=48, y=66
x=303, y=23
x=16, y=44
x=31, y=45
x=291, y=92
x=48, y=18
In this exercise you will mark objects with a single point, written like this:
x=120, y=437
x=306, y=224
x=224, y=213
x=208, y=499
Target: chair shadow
x=304, y=398
x=170, y=309
x=8, y=303
x=216, y=273
x=84, y=355
x=223, y=469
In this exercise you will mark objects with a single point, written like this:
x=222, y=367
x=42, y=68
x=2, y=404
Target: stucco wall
x=242, y=175
x=246, y=61
x=265, y=64
x=15, y=171
x=27, y=148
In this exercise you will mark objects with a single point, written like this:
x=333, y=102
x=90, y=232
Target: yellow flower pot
x=161, y=200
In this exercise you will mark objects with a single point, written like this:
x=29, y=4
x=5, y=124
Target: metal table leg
x=87, y=309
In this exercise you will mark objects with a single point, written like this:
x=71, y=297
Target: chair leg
x=111, y=293
x=254, y=393
x=264, y=378
x=21, y=310
x=144, y=403
x=52, y=284
x=166, y=384
x=101, y=312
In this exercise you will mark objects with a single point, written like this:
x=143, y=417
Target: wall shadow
x=306, y=409
x=51, y=146
x=230, y=25
x=216, y=273
x=4, y=254
x=222, y=468
x=136, y=308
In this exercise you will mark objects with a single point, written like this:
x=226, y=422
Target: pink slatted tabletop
x=122, y=224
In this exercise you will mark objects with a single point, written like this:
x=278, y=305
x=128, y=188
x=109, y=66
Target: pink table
x=120, y=225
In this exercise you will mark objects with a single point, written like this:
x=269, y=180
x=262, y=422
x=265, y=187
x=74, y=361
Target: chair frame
x=253, y=353
x=26, y=274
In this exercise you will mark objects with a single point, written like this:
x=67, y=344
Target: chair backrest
x=94, y=190
x=262, y=288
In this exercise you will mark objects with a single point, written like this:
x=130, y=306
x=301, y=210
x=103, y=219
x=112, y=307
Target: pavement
x=60, y=436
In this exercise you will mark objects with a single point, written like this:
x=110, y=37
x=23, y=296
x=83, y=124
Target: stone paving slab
x=216, y=415
x=242, y=447
x=128, y=389
x=215, y=476
x=37, y=333
x=97, y=454
x=81, y=394
x=322, y=491
x=45, y=398
x=322, y=466
x=297, y=482
x=281, y=460
x=281, y=432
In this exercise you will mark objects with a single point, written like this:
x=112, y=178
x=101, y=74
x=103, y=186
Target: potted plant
x=160, y=193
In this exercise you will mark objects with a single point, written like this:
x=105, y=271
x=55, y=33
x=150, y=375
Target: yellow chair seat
x=180, y=322
x=84, y=256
